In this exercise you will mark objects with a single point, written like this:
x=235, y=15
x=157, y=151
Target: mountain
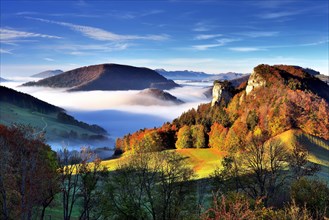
x=182, y=75
x=197, y=76
x=107, y=77
x=159, y=94
x=273, y=100
x=224, y=76
x=17, y=107
x=47, y=73
x=3, y=80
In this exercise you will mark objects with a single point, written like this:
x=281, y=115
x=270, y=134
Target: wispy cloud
x=5, y=51
x=202, y=26
x=33, y=13
x=281, y=14
x=134, y=15
x=49, y=59
x=271, y=4
x=219, y=43
x=10, y=35
x=262, y=48
x=205, y=46
x=85, y=49
x=103, y=35
x=207, y=36
x=255, y=34
x=245, y=49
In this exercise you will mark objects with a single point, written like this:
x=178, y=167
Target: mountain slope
x=106, y=77
x=161, y=95
x=182, y=75
x=47, y=73
x=17, y=107
x=199, y=76
x=275, y=99
x=3, y=80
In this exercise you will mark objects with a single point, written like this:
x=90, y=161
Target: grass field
x=44, y=122
x=202, y=161
x=318, y=149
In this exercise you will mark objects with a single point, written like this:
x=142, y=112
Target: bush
x=313, y=194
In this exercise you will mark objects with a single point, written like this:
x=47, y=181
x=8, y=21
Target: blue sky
x=210, y=36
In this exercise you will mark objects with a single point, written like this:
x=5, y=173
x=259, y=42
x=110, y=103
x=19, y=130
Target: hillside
x=274, y=99
x=3, y=80
x=47, y=73
x=161, y=95
x=17, y=107
x=106, y=77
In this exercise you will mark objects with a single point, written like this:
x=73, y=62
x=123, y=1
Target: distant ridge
x=3, y=80
x=47, y=73
x=202, y=76
x=107, y=77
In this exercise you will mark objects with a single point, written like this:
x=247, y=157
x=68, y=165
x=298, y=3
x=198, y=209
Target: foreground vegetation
x=265, y=182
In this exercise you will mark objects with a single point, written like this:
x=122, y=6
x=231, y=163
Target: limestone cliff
x=255, y=81
x=221, y=93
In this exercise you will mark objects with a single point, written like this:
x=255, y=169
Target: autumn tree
x=217, y=136
x=184, y=139
x=258, y=170
x=25, y=163
x=198, y=136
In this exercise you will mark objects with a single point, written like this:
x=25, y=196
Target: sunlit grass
x=202, y=161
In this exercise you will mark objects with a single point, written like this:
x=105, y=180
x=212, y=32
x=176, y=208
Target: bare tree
x=150, y=186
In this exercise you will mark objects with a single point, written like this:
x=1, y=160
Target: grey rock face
x=255, y=81
x=221, y=93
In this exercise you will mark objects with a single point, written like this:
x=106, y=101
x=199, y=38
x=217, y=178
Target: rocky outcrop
x=255, y=81
x=221, y=93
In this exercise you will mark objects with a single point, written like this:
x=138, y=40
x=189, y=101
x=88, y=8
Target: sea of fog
x=119, y=112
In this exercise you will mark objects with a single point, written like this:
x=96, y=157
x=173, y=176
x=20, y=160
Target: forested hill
x=107, y=77
x=275, y=99
x=18, y=107
x=24, y=100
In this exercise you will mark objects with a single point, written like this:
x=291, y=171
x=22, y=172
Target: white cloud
x=207, y=36
x=103, y=35
x=5, y=51
x=245, y=49
x=255, y=34
x=48, y=59
x=205, y=46
x=220, y=42
x=202, y=26
x=88, y=49
x=10, y=35
x=281, y=14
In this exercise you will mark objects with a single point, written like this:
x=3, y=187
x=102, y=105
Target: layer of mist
x=119, y=112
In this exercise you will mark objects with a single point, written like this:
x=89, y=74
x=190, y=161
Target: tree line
x=265, y=181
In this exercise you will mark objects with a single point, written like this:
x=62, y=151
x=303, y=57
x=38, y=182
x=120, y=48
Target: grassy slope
x=10, y=113
x=202, y=161
x=318, y=148
x=205, y=161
